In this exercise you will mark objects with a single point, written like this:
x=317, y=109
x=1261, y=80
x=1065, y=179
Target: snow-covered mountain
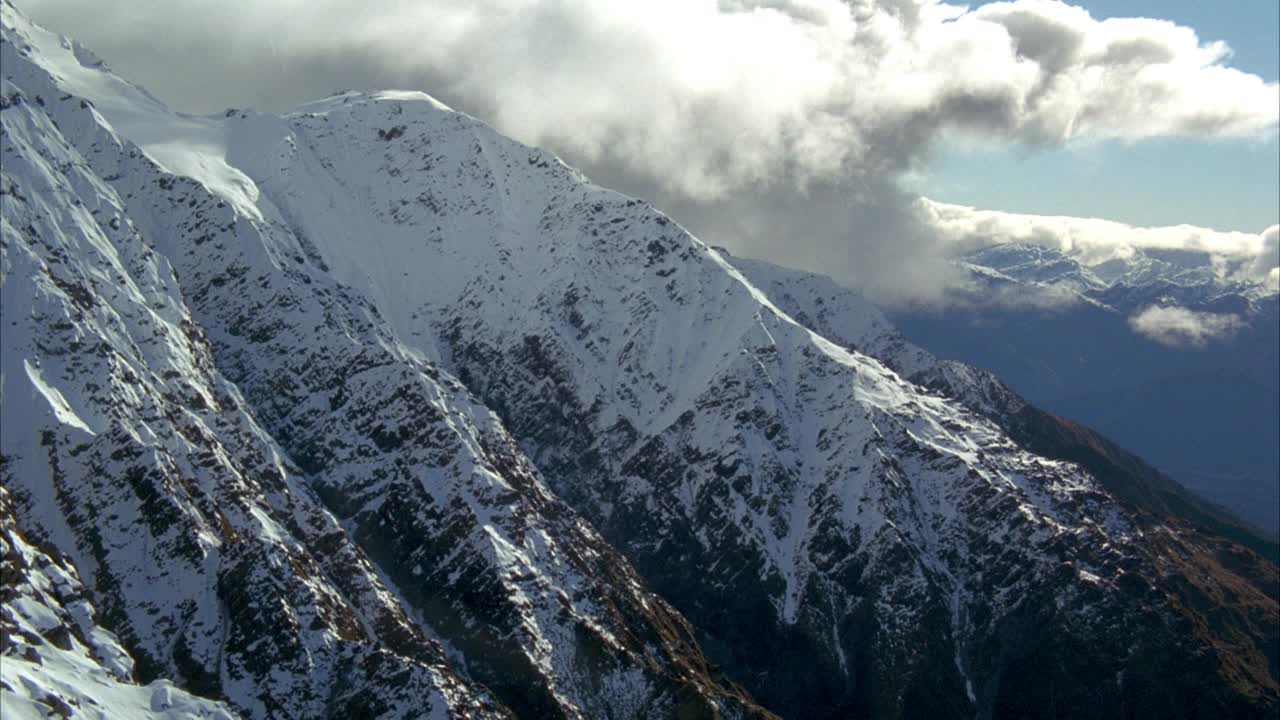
x=1170, y=352
x=1195, y=279
x=843, y=315
x=267, y=491
x=368, y=411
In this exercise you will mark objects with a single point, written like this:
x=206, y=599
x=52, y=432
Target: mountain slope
x=843, y=316
x=53, y=641
x=382, y=391
x=291, y=510
x=1196, y=397
x=827, y=526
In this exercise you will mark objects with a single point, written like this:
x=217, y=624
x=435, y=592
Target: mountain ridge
x=1171, y=353
x=841, y=314
x=427, y=363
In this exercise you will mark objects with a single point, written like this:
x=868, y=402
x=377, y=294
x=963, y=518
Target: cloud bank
x=708, y=97
x=776, y=127
x=1238, y=256
x=1179, y=327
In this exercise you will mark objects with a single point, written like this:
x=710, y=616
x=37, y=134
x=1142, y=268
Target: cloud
x=1093, y=240
x=778, y=128
x=703, y=97
x=1179, y=327
x=1048, y=299
x=1265, y=267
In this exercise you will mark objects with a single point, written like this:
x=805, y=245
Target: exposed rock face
x=126, y=449
x=1154, y=503
x=58, y=660
x=367, y=411
x=274, y=501
x=874, y=552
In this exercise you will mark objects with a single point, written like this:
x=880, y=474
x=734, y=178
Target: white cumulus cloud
x=1266, y=263
x=702, y=96
x=779, y=128
x=1240, y=256
x=1179, y=327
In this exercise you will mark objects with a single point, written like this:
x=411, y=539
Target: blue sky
x=1223, y=184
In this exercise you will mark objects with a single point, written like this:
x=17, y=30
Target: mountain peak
x=367, y=410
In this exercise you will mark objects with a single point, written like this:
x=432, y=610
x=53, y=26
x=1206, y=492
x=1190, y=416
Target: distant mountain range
x=367, y=411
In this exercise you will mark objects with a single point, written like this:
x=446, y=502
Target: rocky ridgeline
x=367, y=411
